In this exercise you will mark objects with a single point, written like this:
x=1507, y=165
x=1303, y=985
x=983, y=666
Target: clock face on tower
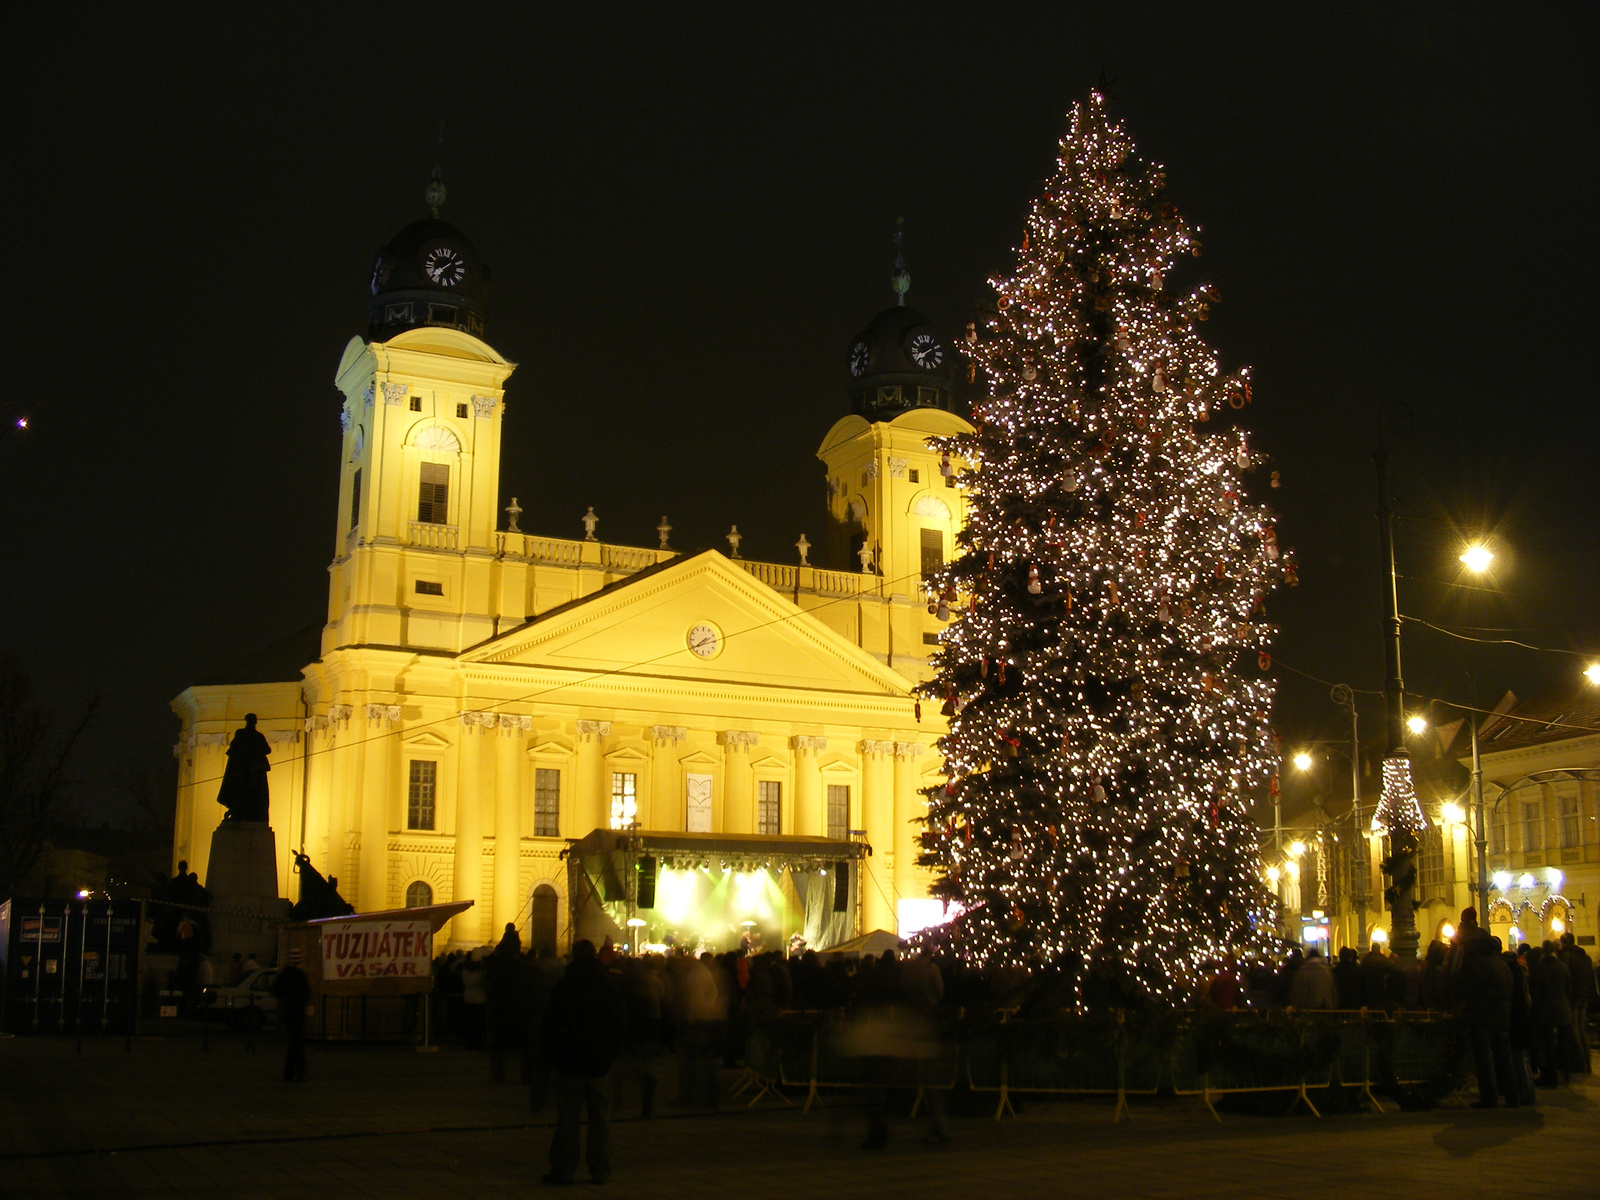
x=926, y=351
x=858, y=359
x=444, y=266
x=703, y=640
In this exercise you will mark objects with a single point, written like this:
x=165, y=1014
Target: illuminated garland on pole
x=1107, y=683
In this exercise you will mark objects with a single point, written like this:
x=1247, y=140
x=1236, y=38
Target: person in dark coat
x=292, y=990
x=1522, y=1028
x=1549, y=981
x=1378, y=983
x=1582, y=995
x=581, y=1033
x=1347, y=979
x=1437, y=978
x=1484, y=985
x=502, y=984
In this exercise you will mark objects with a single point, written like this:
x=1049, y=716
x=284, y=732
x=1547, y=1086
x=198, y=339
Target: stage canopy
x=709, y=891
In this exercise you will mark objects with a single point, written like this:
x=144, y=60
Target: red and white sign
x=354, y=950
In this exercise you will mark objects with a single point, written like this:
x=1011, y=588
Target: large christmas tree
x=1107, y=680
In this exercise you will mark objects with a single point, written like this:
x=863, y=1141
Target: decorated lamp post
x=1399, y=816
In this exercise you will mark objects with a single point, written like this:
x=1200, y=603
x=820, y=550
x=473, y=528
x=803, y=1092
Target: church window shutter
x=421, y=790
x=932, y=551
x=769, y=807
x=433, y=494
x=839, y=811
x=546, y=802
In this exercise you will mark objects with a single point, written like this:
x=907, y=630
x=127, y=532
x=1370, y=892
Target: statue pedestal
x=242, y=877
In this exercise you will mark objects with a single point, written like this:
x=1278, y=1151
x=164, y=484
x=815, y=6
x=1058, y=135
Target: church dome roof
x=428, y=274
x=900, y=361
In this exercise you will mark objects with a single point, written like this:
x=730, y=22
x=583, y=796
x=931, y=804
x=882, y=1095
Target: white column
x=509, y=746
x=877, y=817
x=592, y=806
x=379, y=747
x=809, y=806
x=468, y=927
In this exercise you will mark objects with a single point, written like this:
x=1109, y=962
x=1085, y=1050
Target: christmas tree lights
x=1106, y=683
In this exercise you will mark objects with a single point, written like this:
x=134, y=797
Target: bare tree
x=35, y=746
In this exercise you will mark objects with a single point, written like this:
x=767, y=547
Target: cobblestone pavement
x=169, y=1119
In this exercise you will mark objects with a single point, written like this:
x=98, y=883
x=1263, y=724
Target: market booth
x=370, y=973
x=710, y=891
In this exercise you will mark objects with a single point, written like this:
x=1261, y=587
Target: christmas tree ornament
x=1276, y=482
x=1034, y=586
x=1264, y=660
x=945, y=468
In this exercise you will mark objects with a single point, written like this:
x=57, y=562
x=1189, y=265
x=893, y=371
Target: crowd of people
x=603, y=1022
x=1525, y=1010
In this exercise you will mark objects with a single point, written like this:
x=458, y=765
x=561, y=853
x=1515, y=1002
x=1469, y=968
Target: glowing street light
x=1453, y=813
x=1477, y=557
x=1296, y=849
x=1417, y=724
x=1592, y=673
x=1302, y=761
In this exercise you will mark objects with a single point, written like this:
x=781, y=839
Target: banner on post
x=367, y=952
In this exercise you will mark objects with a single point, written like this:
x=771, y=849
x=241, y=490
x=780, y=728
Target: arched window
x=542, y=926
x=419, y=895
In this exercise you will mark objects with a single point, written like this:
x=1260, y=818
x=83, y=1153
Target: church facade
x=486, y=698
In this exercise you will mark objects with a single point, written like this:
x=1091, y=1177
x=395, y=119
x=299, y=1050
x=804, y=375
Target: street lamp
x=1477, y=557
x=1399, y=815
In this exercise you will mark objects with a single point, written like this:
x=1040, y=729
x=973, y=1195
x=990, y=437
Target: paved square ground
x=171, y=1119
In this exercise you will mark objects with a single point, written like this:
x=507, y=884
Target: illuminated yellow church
x=569, y=731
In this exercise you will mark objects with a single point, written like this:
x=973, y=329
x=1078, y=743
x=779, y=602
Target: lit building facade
x=483, y=696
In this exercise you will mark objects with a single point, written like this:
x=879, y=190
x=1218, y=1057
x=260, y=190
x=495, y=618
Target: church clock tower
x=893, y=506
x=414, y=547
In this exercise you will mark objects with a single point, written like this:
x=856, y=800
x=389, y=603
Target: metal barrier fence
x=1178, y=1053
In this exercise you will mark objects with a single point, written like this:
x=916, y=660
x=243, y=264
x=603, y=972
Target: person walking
x=581, y=1033
x=1312, y=985
x=292, y=990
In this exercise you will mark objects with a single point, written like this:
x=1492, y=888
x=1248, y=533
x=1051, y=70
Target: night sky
x=688, y=212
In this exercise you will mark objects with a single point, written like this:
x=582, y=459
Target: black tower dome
x=428, y=274
x=900, y=361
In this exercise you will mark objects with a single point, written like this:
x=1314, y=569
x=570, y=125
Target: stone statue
x=244, y=780
x=319, y=897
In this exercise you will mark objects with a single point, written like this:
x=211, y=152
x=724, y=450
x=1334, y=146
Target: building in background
x=480, y=697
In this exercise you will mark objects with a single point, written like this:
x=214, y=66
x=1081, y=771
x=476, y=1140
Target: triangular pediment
x=426, y=741
x=642, y=627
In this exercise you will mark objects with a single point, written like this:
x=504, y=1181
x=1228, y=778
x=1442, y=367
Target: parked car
x=248, y=1004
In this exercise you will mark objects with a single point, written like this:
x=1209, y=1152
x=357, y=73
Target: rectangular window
x=930, y=639
x=416, y=404
x=624, y=800
x=932, y=551
x=546, y=802
x=355, y=498
x=769, y=806
x=1532, y=834
x=461, y=410
x=1569, y=822
x=420, y=794
x=428, y=587
x=433, y=494
x=839, y=811
x=916, y=476
x=1432, y=865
